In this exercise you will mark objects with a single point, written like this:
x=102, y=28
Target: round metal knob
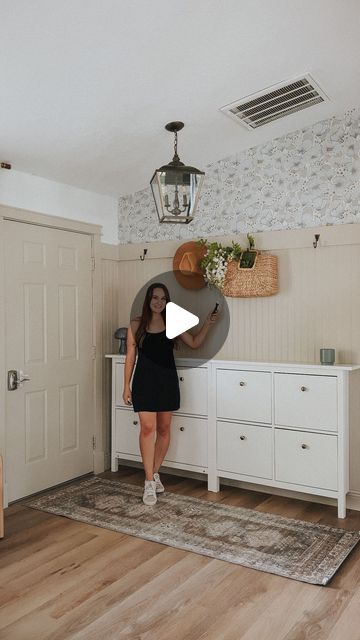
x=242, y=437
x=181, y=379
x=303, y=388
x=135, y=422
x=305, y=446
x=182, y=428
x=242, y=383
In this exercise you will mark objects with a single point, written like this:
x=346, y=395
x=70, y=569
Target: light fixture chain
x=175, y=143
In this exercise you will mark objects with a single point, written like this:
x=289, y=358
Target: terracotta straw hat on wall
x=186, y=265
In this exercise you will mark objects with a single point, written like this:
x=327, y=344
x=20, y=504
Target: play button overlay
x=186, y=310
x=178, y=320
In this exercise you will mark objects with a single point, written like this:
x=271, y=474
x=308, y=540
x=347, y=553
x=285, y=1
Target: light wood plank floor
x=65, y=579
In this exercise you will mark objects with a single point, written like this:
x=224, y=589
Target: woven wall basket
x=260, y=280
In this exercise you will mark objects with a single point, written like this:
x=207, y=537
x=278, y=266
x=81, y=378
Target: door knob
x=23, y=377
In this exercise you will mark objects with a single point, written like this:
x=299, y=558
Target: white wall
x=33, y=193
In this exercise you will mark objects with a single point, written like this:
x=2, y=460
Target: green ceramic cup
x=327, y=356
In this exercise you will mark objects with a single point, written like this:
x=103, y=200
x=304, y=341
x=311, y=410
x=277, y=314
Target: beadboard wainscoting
x=317, y=306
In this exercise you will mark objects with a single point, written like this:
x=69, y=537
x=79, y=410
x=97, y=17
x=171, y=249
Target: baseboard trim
x=352, y=500
x=5, y=496
x=99, y=461
x=170, y=470
x=107, y=459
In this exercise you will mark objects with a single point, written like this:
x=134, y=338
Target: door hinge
x=92, y=264
x=93, y=352
x=94, y=442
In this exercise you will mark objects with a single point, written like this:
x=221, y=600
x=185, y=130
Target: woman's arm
x=196, y=341
x=129, y=363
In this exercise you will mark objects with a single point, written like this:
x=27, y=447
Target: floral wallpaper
x=307, y=178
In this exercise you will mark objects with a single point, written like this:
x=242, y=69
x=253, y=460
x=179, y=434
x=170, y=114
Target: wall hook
x=315, y=243
x=142, y=258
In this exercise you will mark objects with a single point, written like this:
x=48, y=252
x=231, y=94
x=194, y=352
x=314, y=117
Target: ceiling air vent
x=275, y=102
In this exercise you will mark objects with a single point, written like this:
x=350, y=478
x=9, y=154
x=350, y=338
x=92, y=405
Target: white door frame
x=64, y=224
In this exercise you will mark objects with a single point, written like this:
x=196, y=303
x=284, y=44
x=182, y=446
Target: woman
x=155, y=387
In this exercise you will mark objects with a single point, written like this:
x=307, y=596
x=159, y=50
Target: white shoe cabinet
x=276, y=425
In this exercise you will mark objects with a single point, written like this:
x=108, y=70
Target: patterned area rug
x=291, y=548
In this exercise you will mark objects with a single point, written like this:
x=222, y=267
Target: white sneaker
x=159, y=485
x=149, y=495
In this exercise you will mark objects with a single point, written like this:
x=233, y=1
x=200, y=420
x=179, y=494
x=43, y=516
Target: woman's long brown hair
x=147, y=313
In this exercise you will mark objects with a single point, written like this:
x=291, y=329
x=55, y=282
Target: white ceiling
x=88, y=85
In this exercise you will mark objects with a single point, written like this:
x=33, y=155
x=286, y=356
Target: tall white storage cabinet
x=189, y=429
x=283, y=425
x=276, y=425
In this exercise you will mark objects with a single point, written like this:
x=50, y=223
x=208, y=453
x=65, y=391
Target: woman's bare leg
x=163, y=423
x=147, y=441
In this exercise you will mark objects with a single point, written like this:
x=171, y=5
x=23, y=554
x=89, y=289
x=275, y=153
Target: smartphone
x=216, y=308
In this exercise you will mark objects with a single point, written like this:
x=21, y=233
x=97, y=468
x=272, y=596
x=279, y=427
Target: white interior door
x=48, y=323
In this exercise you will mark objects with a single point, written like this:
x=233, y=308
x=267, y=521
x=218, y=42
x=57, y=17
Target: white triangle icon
x=178, y=320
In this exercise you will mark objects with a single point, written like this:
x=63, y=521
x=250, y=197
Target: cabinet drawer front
x=188, y=443
x=244, y=395
x=244, y=449
x=119, y=384
x=305, y=458
x=193, y=390
x=306, y=401
x=127, y=429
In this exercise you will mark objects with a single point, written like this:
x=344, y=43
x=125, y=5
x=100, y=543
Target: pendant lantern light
x=176, y=187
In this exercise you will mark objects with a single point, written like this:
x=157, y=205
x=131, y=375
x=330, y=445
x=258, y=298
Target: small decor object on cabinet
x=327, y=356
x=121, y=334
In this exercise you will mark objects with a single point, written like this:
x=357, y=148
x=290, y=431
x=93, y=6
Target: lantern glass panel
x=176, y=193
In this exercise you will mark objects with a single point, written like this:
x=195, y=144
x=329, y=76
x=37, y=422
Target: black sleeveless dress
x=155, y=385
